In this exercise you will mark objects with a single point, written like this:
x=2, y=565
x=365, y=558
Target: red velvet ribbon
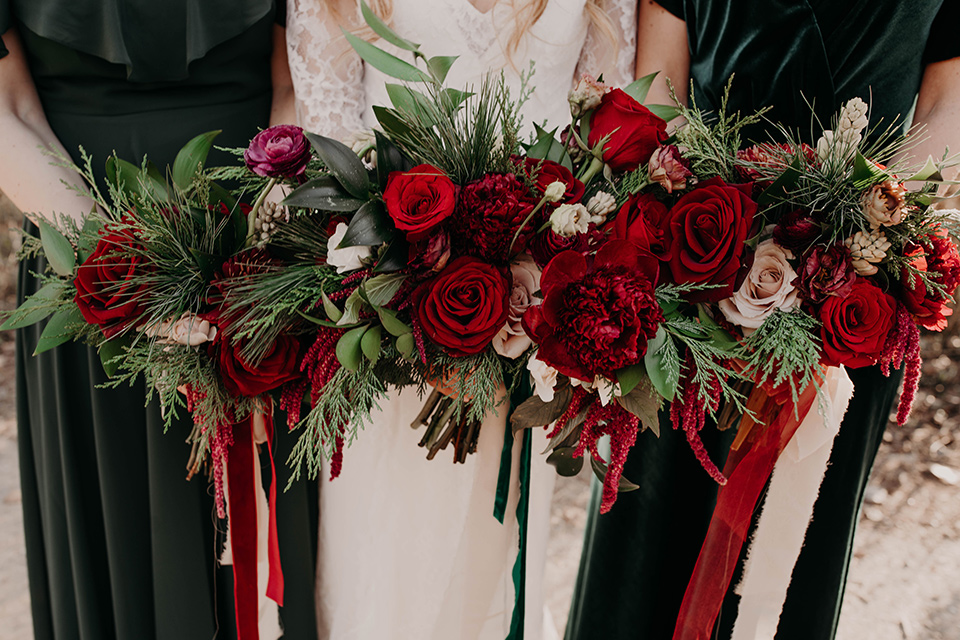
x=747, y=473
x=242, y=506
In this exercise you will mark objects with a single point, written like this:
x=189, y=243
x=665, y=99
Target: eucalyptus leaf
x=35, y=308
x=322, y=193
x=324, y=323
x=57, y=249
x=534, y=412
x=60, y=329
x=343, y=163
x=333, y=311
x=381, y=289
x=370, y=225
x=600, y=470
x=207, y=263
x=390, y=121
x=639, y=88
x=658, y=350
x=370, y=343
x=348, y=348
x=123, y=175
x=865, y=172
x=351, y=309
x=384, y=31
x=89, y=236
x=665, y=111
x=629, y=377
x=394, y=325
x=389, y=159
x=643, y=402
x=190, y=159
x=440, y=66
x=547, y=147
x=414, y=103
x=928, y=172
x=570, y=432
x=394, y=257
x=566, y=464
x=406, y=346
x=385, y=62
x=782, y=185
x=456, y=97
x=110, y=352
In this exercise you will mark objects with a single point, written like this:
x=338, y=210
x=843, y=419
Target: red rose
x=942, y=261
x=704, y=235
x=548, y=243
x=243, y=378
x=596, y=319
x=640, y=220
x=635, y=133
x=548, y=172
x=420, y=199
x=464, y=307
x=106, y=294
x=490, y=211
x=281, y=151
x=854, y=327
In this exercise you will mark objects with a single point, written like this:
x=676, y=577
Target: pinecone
x=866, y=250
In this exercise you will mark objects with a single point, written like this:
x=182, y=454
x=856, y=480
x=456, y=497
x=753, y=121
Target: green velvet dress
x=638, y=558
x=119, y=545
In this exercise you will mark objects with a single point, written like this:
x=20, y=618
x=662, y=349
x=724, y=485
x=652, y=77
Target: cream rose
x=512, y=339
x=767, y=288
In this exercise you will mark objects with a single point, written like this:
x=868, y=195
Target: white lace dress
x=409, y=548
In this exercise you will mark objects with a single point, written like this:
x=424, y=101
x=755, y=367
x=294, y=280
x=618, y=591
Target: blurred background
x=904, y=582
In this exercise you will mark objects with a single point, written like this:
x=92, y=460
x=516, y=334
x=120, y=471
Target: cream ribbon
x=787, y=511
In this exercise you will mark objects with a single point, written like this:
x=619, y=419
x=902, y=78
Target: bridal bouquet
x=592, y=274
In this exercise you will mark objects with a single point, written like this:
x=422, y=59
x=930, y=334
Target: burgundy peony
x=635, y=132
x=704, y=235
x=854, y=327
x=548, y=172
x=278, y=152
x=279, y=365
x=825, y=272
x=464, y=307
x=641, y=221
x=106, y=293
x=596, y=319
x=488, y=215
x=796, y=231
x=942, y=262
x=420, y=199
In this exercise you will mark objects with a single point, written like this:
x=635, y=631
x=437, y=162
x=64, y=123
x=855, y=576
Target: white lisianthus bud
x=554, y=191
x=347, y=258
x=766, y=288
x=544, y=377
x=570, y=219
x=600, y=206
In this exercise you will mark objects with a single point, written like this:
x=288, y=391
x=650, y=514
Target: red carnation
x=596, y=319
x=635, y=132
x=464, y=307
x=548, y=172
x=825, y=272
x=108, y=293
x=641, y=221
x=487, y=218
x=704, y=235
x=420, y=199
x=942, y=263
x=854, y=327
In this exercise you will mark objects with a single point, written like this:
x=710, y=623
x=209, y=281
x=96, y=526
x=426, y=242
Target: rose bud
x=632, y=131
x=585, y=96
x=669, y=169
x=883, y=204
x=278, y=152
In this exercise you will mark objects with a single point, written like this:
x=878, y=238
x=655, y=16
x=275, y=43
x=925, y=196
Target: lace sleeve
x=327, y=74
x=600, y=55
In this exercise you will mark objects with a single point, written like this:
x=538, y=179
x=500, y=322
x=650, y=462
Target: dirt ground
x=904, y=582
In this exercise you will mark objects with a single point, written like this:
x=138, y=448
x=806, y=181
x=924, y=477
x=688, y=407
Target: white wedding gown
x=409, y=548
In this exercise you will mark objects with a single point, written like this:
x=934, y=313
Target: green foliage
x=784, y=348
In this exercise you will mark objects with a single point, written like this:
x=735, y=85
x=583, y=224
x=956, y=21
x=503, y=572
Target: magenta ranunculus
x=596, y=319
x=278, y=152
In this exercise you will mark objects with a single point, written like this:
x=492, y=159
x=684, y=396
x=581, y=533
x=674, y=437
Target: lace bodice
x=335, y=91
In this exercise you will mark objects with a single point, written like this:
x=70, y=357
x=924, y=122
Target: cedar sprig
x=785, y=348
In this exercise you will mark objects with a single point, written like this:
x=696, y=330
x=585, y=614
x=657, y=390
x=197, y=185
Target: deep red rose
x=854, y=327
x=635, y=132
x=464, y=307
x=548, y=172
x=942, y=262
x=704, y=235
x=796, y=231
x=825, y=272
x=488, y=215
x=106, y=293
x=641, y=221
x=420, y=199
x=242, y=378
x=278, y=152
x=596, y=319
x=548, y=243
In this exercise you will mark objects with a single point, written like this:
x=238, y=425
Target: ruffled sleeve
x=615, y=60
x=327, y=73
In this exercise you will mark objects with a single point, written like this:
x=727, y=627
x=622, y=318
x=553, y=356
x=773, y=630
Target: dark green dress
x=119, y=545
x=638, y=558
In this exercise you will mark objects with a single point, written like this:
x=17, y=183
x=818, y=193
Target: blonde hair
x=524, y=17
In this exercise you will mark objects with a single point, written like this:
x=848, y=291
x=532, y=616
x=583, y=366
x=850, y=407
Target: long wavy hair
x=526, y=14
